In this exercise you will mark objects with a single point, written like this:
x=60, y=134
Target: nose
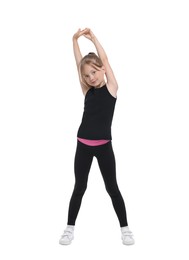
x=91, y=77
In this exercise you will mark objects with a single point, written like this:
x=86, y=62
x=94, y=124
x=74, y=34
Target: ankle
x=70, y=228
x=125, y=229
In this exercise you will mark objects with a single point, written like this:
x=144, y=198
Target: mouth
x=93, y=82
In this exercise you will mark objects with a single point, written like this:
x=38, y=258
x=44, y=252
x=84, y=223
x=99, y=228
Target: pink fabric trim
x=93, y=142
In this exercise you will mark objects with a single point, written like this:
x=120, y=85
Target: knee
x=113, y=191
x=79, y=190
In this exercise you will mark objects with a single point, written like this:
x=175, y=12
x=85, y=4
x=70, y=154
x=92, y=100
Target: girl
x=94, y=134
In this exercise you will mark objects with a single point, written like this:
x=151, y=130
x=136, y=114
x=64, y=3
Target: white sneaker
x=67, y=236
x=127, y=236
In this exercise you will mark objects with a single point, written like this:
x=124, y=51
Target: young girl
x=94, y=134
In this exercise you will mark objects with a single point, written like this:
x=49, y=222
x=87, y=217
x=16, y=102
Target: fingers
x=85, y=32
x=79, y=33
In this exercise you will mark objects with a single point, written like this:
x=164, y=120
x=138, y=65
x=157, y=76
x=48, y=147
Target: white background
x=41, y=105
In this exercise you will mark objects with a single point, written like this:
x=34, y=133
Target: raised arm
x=78, y=55
x=111, y=80
x=76, y=49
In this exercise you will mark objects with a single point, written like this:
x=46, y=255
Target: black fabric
x=98, y=113
x=106, y=160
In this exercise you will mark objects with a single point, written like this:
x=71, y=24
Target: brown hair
x=90, y=59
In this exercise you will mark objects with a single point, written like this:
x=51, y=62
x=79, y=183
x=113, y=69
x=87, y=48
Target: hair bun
x=91, y=53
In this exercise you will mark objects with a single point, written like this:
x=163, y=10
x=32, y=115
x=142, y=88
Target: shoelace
x=127, y=233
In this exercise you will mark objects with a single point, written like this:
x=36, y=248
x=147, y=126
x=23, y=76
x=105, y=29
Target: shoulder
x=112, y=88
x=84, y=88
x=112, y=84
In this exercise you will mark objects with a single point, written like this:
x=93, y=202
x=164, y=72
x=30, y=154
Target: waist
x=93, y=142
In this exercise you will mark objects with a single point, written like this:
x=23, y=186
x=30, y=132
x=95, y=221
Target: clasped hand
x=85, y=32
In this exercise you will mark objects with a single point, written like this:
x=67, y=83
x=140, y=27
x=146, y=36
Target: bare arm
x=76, y=49
x=111, y=80
x=78, y=55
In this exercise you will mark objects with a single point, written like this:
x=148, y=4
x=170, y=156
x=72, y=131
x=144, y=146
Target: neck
x=101, y=84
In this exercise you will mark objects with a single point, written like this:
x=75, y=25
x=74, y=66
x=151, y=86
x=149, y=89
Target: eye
x=93, y=72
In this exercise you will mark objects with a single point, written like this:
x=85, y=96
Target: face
x=92, y=76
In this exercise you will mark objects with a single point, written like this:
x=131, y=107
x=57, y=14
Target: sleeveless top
x=98, y=113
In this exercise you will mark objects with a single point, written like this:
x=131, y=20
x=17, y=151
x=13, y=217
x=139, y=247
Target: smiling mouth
x=93, y=82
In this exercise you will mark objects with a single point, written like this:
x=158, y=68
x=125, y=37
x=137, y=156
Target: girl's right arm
x=78, y=55
x=76, y=49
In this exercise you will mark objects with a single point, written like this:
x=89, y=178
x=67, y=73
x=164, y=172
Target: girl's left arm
x=111, y=80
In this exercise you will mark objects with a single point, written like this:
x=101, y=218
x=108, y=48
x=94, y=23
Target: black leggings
x=106, y=160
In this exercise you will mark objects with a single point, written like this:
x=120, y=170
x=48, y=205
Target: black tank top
x=98, y=114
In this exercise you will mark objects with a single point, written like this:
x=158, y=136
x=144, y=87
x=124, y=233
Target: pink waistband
x=92, y=142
